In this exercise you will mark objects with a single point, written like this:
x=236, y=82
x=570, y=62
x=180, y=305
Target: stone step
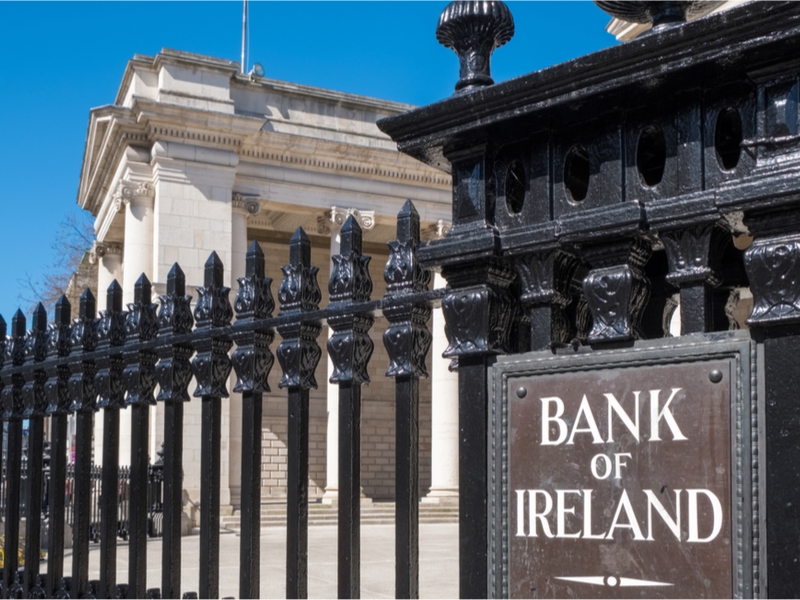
x=380, y=513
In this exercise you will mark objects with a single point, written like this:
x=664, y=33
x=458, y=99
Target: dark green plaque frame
x=746, y=422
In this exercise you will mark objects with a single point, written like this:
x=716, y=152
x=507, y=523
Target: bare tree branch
x=73, y=239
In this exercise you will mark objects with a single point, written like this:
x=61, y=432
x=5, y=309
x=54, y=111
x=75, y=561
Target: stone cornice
x=286, y=88
x=352, y=159
x=111, y=130
x=163, y=121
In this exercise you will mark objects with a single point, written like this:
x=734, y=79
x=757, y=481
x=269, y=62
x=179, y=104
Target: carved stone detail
x=773, y=267
x=246, y=203
x=127, y=190
x=364, y=218
x=102, y=249
x=439, y=229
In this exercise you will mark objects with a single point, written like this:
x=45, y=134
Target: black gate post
x=350, y=349
x=478, y=311
x=211, y=366
x=174, y=373
x=771, y=266
x=407, y=342
x=110, y=391
x=252, y=361
x=299, y=355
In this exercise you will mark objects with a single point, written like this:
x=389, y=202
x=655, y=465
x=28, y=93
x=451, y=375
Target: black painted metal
x=12, y=413
x=83, y=395
x=35, y=406
x=174, y=374
x=140, y=382
x=407, y=341
x=350, y=349
x=299, y=355
x=57, y=389
x=110, y=392
x=211, y=367
x=252, y=361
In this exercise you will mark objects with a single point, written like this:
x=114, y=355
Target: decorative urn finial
x=657, y=12
x=473, y=30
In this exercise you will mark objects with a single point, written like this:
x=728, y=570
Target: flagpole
x=244, y=35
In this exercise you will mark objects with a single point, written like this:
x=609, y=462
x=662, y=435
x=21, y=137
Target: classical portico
x=194, y=157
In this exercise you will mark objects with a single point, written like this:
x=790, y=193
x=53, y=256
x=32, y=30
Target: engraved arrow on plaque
x=612, y=581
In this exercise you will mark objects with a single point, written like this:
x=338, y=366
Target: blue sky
x=61, y=59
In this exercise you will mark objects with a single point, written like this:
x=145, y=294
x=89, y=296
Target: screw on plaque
x=715, y=376
x=521, y=392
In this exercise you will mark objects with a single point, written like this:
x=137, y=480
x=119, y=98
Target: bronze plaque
x=619, y=482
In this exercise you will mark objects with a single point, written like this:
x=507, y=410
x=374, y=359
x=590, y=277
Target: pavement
x=438, y=577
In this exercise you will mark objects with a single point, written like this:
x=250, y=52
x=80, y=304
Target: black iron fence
x=116, y=360
x=155, y=493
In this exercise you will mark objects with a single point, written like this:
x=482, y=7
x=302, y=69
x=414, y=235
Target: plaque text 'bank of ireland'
x=621, y=481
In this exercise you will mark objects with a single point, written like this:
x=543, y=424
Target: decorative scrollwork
x=253, y=364
x=110, y=336
x=350, y=348
x=299, y=352
x=82, y=372
x=407, y=339
x=59, y=345
x=213, y=305
x=139, y=376
x=773, y=267
x=617, y=291
x=350, y=279
x=478, y=309
x=299, y=355
x=693, y=254
x=252, y=359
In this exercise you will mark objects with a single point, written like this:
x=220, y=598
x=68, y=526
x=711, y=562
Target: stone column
x=242, y=207
x=109, y=268
x=138, y=198
x=366, y=219
x=444, y=417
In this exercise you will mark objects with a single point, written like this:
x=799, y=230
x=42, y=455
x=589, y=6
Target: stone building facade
x=194, y=156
